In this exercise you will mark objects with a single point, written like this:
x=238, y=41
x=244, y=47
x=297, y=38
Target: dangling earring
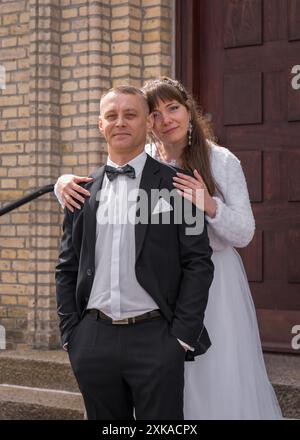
x=190, y=133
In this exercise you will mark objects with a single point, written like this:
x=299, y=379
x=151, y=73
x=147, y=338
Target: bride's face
x=170, y=122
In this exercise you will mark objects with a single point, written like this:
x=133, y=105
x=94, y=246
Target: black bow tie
x=112, y=172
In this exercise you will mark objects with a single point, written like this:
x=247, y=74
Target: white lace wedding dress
x=230, y=380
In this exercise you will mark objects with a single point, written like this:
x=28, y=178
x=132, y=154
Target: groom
x=131, y=297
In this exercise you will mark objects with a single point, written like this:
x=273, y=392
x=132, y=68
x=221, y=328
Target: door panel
x=245, y=72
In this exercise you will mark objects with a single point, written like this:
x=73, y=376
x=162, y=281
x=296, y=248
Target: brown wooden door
x=241, y=58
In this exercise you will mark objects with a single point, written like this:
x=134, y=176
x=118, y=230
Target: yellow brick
x=9, y=231
x=24, y=17
x=9, y=113
x=69, y=13
x=3, y=312
x=45, y=278
x=9, y=136
x=119, y=60
x=19, y=218
x=24, y=183
x=22, y=253
x=9, y=161
x=83, y=11
x=23, y=135
x=4, y=31
x=14, y=289
x=8, y=183
x=16, y=311
x=10, y=7
x=146, y=3
x=121, y=23
x=80, y=96
x=8, y=42
x=157, y=11
x=152, y=36
x=154, y=48
x=8, y=253
x=68, y=61
x=70, y=37
x=19, y=172
x=23, y=231
x=23, y=88
x=22, y=265
x=7, y=195
x=12, y=242
x=19, y=29
x=79, y=121
x=10, y=65
x=69, y=160
x=8, y=277
x=23, y=300
x=65, y=123
x=120, y=11
x=9, y=19
x=154, y=60
x=23, y=111
x=65, y=74
x=80, y=72
x=8, y=300
x=68, y=110
x=26, y=278
x=5, y=265
x=135, y=72
x=69, y=86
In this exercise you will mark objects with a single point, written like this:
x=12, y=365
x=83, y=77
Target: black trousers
x=121, y=367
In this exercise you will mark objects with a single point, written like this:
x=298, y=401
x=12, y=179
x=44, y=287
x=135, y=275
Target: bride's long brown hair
x=196, y=155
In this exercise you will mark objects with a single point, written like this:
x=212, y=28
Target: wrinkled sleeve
x=234, y=221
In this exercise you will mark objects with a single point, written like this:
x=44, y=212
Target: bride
x=230, y=380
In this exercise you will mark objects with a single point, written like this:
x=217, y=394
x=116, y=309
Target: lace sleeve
x=234, y=221
x=57, y=194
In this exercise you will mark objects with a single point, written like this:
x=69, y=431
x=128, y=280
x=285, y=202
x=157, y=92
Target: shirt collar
x=137, y=163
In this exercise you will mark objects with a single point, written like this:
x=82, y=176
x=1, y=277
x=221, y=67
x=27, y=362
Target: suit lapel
x=150, y=180
x=90, y=210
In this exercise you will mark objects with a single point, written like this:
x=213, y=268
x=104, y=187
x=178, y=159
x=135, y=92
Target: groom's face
x=124, y=121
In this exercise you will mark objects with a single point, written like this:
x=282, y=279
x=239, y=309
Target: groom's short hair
x=128, y=90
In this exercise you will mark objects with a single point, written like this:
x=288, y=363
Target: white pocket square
x=162, y=206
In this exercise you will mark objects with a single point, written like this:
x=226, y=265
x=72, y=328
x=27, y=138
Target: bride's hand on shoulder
x=189, y=187
x=69, y=190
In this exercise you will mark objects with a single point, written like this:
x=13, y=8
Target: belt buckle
x=121, y=321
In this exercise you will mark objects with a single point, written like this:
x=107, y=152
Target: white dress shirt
x=115, y=290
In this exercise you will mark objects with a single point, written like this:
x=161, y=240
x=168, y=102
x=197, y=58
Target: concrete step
x=38, y=369
x=50, y=370
x=25, y=403
x=284, y=373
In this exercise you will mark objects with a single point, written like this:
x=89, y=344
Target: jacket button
x=89, y=272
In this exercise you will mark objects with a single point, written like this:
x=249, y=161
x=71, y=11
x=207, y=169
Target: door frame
x=186, y=13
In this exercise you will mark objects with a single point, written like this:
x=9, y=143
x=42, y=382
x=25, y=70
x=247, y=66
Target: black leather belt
x=149, y=315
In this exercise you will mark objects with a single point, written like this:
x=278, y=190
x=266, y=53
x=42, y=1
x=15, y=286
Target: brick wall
x=59, y=56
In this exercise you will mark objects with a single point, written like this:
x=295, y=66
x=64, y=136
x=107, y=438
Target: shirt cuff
x=65, y=346
x=184, y=345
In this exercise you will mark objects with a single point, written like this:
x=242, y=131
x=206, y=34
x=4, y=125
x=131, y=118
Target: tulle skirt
x=230, y=380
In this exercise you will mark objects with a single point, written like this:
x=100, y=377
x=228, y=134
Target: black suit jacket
x=173, y=267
